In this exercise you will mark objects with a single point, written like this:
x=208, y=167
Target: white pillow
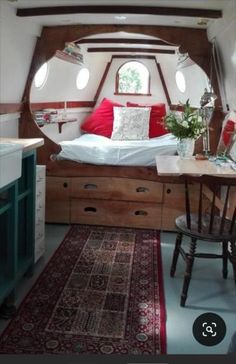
x=131, y=123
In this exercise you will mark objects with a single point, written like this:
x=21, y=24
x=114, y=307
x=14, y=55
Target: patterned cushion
x=156, y=125
x=131, y=123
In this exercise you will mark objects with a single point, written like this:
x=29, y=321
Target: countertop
x=28, y=144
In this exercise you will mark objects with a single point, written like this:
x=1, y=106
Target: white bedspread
x=95, y=149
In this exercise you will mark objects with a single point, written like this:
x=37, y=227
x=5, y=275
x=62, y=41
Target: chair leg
x=188, y=271
x=225, y=259
x=233, y=257
x=175, y=254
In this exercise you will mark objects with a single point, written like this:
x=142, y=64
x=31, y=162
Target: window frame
x=132, y=93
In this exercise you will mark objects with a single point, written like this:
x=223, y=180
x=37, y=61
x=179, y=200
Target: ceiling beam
x=123, y=40
x=117, y=9
x=136, y=50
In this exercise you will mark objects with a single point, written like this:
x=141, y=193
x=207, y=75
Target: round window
x=180, y=81
x=41, y=76
x=82, y=78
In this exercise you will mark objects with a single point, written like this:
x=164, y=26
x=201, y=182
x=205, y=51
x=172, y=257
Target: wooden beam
x=123, y=40
x=117, y=9
x=136, y=50
x=136, y=56
x=100, y=86
x=60, y=105
x=163, y=83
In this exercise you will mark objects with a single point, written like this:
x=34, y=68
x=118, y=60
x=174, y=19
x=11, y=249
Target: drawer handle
x=141, y=213
x=65, y=184
x=90, y=209
x=90, y=186
x=168, y=190
x=142, y=189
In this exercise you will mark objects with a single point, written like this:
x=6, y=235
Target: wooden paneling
x=116, y=189
x=57, y=200
x=116, y=213
x=60, y=105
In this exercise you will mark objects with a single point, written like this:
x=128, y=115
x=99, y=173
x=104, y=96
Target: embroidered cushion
x=131, y=123
x=158, y=111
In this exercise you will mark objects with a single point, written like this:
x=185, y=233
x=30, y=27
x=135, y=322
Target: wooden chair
x=210, y=221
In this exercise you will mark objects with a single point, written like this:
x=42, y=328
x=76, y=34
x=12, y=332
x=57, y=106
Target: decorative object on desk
x=187, y=125
x=185, y=147
x=207, y=105
x=101, y=293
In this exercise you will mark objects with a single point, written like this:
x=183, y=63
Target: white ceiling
x=53, y=20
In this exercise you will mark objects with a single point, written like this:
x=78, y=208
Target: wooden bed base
x=112, y=196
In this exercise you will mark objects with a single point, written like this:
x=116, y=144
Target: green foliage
x=188, y=124
x=129, y=81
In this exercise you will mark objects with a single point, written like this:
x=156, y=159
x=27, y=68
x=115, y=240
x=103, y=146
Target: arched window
x=133, y=78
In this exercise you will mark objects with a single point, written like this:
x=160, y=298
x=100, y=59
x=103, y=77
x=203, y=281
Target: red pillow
x=100, y=122
x=227, y=131
x=158, y=111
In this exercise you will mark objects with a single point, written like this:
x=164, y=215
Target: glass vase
x=185, y=147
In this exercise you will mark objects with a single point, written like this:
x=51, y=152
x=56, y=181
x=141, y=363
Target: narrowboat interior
x=117, y=175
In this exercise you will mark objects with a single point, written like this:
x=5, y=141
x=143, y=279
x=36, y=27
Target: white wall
x=223, y=31
x=17, y=41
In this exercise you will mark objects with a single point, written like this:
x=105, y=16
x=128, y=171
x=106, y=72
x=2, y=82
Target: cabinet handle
x=168, y=190
x=141, y=212
x=90, y=209
x=65, y=184
x=90, y=186
x=142, y=189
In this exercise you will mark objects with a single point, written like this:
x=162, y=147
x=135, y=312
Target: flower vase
x=185, y=147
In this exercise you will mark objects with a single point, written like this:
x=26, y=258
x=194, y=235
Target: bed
x=98, y=181
x=100, y=150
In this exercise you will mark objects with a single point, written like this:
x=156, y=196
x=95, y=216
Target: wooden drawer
x=174, y=203
x=58, y=200
x=116, y=213
x=116, y=189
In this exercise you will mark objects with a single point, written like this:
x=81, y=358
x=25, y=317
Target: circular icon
x=209, y=329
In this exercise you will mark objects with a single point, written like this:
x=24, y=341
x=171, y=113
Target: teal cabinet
x=17, y=224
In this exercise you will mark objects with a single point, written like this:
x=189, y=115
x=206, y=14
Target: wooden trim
x=131, y=94
x=123, y=40
x=117, y=9
x=11, y=108
x=100, y=86
x=136, y=50
x=60, y=105
x=163, y=83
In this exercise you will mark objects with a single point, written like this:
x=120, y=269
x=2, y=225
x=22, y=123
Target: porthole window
x=180, y=81
x=82, y=78
x=133, y=78
x=41, y=76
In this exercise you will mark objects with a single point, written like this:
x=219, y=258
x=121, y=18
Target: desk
x=175, y=166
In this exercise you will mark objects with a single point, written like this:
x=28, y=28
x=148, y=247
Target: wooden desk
x=175, y=166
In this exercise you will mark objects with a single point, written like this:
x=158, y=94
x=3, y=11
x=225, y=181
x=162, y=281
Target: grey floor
x=208, y=292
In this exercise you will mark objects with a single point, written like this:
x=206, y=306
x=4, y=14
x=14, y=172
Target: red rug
x=101, y=293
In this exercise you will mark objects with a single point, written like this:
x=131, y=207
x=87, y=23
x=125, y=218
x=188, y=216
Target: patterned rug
x=100, y=293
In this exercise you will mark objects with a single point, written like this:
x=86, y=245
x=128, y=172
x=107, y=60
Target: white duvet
x=95, y=149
